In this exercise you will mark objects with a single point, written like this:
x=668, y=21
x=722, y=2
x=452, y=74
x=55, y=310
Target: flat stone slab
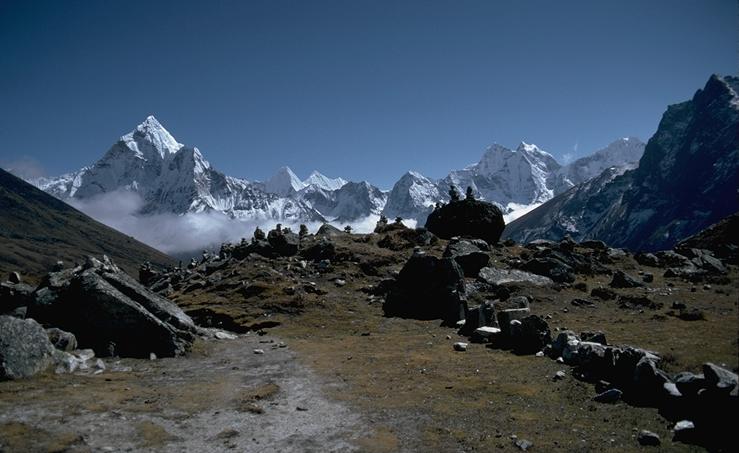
x=495, y=276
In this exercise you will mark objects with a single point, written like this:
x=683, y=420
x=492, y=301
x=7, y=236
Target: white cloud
x=178, y=234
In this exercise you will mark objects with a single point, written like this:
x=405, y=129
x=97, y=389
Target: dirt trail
x=223, y=397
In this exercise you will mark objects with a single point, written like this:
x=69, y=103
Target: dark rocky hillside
x=37, y=230
x=686, y=181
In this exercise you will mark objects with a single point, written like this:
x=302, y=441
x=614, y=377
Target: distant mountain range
x=37, y=230
x=175, y=178
x=687, y=179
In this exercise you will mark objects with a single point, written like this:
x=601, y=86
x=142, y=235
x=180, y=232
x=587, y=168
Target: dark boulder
x=649, y=380
x=284, y=243
x=112, y=313
x=480, y=316
x=531, y=335
x=323, y=249
x=647, y=259
x=594, y=336
x=468, y=255
x=623, y=280
x=14, y=295
x=25, y=349
x=428, y=288
x=467, y=218
x=329, y=231
x=603, y=293
x=550, y=267
x=507, y=317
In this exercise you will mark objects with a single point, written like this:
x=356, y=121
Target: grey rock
x=689, y=384
x=684, y=430
x=524, y=444
x=64, y=341
x=622, y=280
x=470, y=257
x=719, y=378
x=496, y=276
x=14, y=277
x=647, y=259
x=25, y=349
x=103, y=306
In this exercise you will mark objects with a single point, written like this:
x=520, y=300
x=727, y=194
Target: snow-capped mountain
x=504, y=176
x=412, y=197
x=623, y=152
x=173, y=178
x=323, y=182
x=516, y=180
x=351, y=201
x=686, y=180
x=284, y=183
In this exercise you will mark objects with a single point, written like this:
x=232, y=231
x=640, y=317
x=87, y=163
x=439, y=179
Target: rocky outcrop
x=428, y=288
x=685, y=182
x=471, y=255
x=467, y=218
x=110, y=312
x=25, y=349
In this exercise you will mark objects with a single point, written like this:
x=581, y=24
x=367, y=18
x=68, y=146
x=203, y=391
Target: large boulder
x=111, y=312
x=551, y=268
x=468, y=218
x=623, y=280
x=322, y=249
x=470, y=256
x=428, y=288
x=530, y=335
x=284, y=243
x=25, y=350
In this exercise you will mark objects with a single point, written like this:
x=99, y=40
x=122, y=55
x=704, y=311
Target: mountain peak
x=284, y=182
x=149, y=136
x=531, y=148
x=322, y=181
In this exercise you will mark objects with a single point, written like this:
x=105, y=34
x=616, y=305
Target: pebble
x=524, y=444
x=259, y=351
x=559, y=375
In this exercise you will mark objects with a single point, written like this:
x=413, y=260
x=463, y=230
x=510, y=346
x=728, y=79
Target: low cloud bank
x=188, y=233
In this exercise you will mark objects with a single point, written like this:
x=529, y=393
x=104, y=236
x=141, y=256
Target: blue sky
x=361, y=89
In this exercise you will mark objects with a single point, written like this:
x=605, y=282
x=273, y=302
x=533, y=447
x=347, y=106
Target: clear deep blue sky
x=361, y=89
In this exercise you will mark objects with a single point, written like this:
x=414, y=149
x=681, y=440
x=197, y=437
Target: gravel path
x=224, y=397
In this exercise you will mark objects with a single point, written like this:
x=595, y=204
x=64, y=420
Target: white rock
x=221, y=335
x=460, y=346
